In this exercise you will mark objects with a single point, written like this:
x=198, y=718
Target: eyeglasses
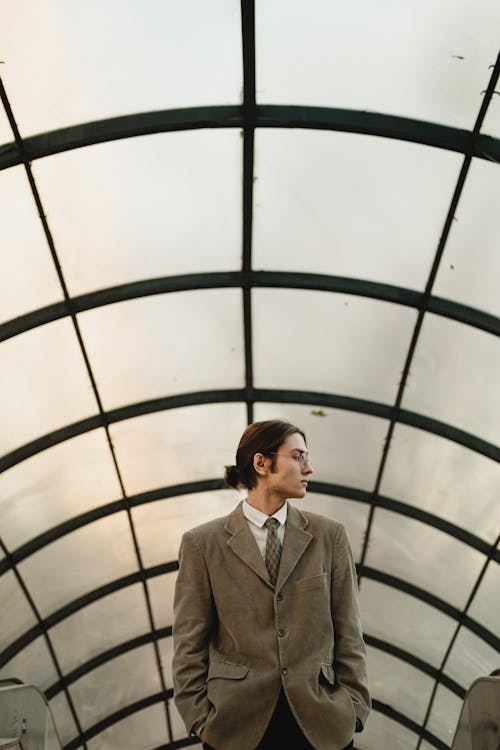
x=301, y=458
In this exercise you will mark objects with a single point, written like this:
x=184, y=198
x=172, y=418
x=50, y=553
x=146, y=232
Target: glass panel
x=33, y=665
x=419, y=59
x=29, y=278
x=382, y=732
x=398, y=684
x=107, y=622
x=79, y=562
x=16, y=616
x=470, y=267
x=444, y=714
x=339, y=338
x=65, y=724
x=160, y=525
x=178, y=445
x=353, y=515
x=176, y=54
x=166, y=651
x=454, y=377
x=55, y=485
x=345, y=447
x=161, y=592
x=471, y=658
x=414, y=552
x=145, y=207
x=405, y=621
x=167, y=337
x=348, y=205
x=441, y=477
x=117, y=683
x=43, y=383
x=484, y=607
x=145, y=729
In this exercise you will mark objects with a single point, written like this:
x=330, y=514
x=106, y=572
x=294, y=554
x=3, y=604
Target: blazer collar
x=295, y=542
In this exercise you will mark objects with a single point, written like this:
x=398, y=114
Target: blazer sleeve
x=349, y=661
x=194, y=623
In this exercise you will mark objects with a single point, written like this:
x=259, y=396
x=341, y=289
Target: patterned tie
x=273, y=549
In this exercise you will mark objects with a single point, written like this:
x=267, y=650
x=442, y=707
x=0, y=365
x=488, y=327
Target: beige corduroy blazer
x=238, y=640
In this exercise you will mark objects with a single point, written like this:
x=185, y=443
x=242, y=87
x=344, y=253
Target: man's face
x=290, y=474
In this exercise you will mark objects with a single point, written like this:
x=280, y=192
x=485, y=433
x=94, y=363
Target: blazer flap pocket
x=227, y=670
x=312, y=582
x=328, y=673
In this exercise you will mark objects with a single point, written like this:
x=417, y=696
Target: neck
x=268, y=503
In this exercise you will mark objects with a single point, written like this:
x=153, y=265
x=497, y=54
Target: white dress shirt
x=256, y=520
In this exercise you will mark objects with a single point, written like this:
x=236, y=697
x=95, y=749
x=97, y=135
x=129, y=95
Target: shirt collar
x=258, y=518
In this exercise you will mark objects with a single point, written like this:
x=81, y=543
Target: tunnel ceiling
x=212, y=214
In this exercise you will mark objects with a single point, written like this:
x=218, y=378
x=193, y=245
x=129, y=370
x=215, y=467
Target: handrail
x=25, y=718
x=478, y=727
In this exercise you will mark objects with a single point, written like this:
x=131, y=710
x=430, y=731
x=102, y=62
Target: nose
x=307, y=468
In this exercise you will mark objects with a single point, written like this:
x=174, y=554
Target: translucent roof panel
x=31, y=280
x=338, y=338
x=455, y=376
x=202, y=326
x=145, y=207
x=164, y=448
x=391, y=615
x=413, y=551
x=110, y=621
x=445, y=479
x=104, y=550
x=147, y=727
x=51, y=487
x=342, y=204
x=470, y=269
x=399, y=685
x=21, y=616
x=59, y=394
x=345, y=57
x=186, y=43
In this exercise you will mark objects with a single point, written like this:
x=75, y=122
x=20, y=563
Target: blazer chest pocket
x=313, y=582
x=226, y=670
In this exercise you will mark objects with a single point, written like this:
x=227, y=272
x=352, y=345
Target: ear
x=261, y=464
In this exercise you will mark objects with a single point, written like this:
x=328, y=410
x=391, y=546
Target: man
x=268, y=650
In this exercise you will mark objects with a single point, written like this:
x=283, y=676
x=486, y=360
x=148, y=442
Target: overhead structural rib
x=266, y=116
x=252, y=279
x=266, y=395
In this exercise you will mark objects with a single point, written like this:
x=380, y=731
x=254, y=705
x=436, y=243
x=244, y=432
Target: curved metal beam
x=121, y=583
x=209, y=485
x=126, y=646
x=152, y=700
x=251, y=279
x=267, y=395
x=266, y=116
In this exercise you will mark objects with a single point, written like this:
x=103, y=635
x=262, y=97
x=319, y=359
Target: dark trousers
x=283, y=732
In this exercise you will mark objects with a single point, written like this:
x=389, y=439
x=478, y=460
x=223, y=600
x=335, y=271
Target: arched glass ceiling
x=211, y=215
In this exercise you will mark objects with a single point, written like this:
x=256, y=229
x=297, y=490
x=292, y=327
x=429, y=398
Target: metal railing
x=479, y=723
x=26, y=721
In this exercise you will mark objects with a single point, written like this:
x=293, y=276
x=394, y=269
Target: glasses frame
x=302, y=459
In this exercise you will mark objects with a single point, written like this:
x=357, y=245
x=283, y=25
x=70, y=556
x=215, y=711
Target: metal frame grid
x=248, y=117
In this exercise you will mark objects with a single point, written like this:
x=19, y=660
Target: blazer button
x=284, y=670
x=281, y=633
x=279, y=597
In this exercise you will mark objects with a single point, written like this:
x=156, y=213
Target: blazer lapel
x=295, y=543
x=244, y=545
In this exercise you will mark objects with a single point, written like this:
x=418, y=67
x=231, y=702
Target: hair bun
x=232, y=476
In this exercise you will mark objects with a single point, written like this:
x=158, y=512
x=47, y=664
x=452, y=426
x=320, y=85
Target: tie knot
x=272, y=523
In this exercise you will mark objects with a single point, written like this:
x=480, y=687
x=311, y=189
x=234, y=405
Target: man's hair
x=260, y=437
